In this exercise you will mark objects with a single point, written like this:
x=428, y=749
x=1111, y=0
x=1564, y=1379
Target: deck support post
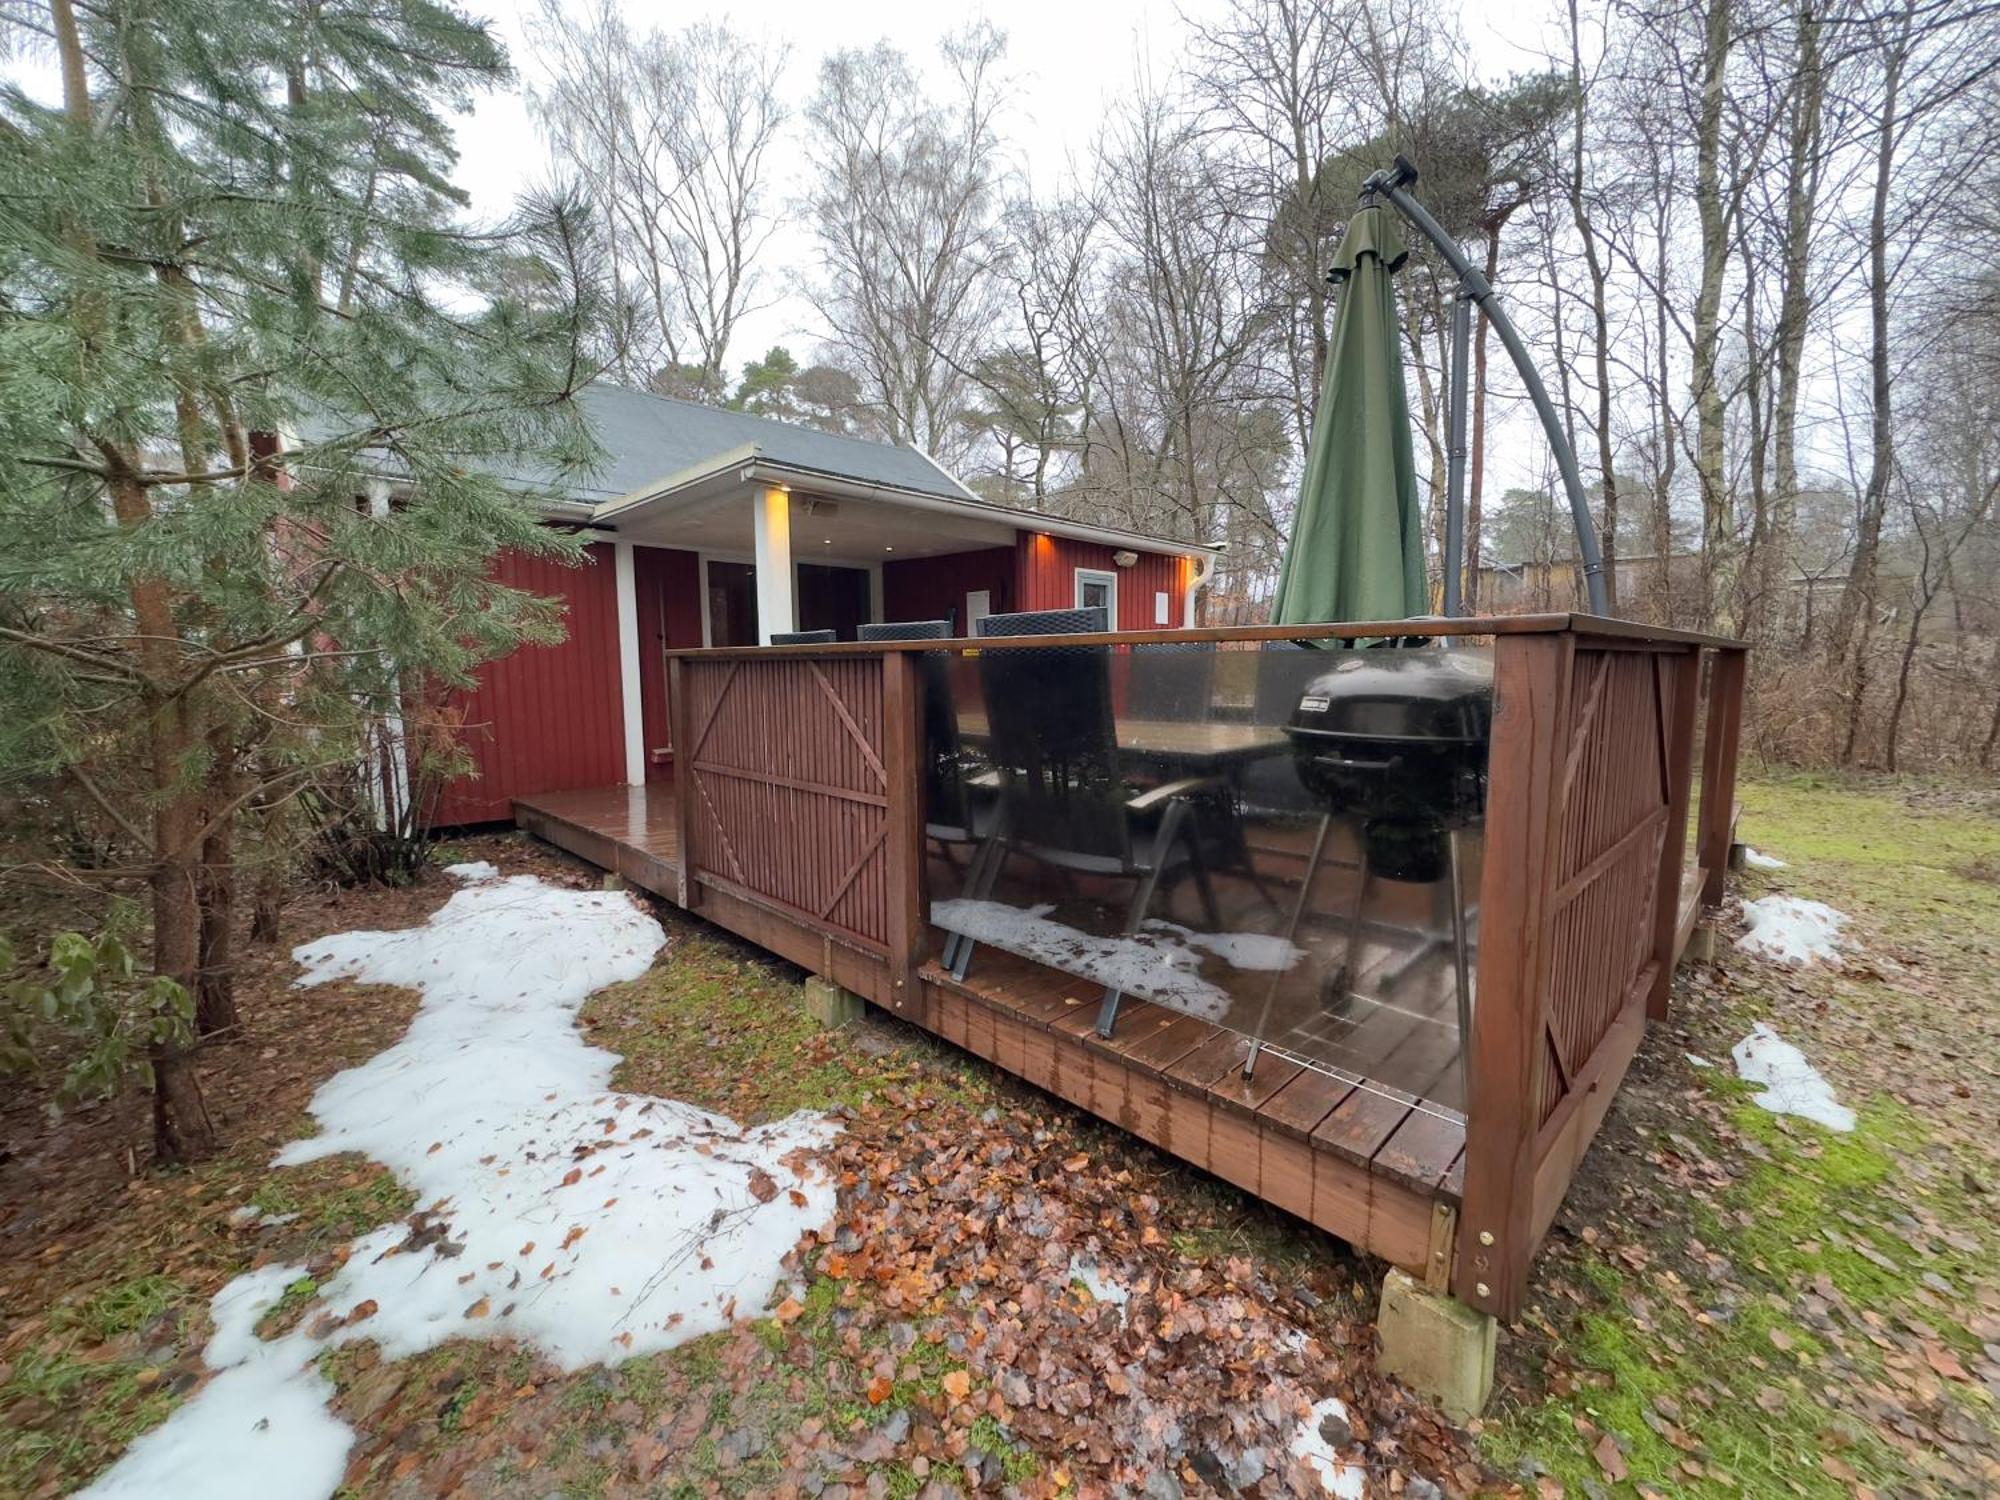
x=1436, y=1345
x=903, y=842
x=830, y=1004
x=1718, y=768
x=1679, y=688
x=1528, y=771
x=681, y=735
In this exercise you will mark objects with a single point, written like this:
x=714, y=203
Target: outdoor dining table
x=1193, y=743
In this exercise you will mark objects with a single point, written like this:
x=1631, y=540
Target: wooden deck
x=1373, y=1164
x=795, y=819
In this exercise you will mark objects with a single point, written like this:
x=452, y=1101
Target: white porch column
x=776, y=609
x=626, y=580
x=389, y=779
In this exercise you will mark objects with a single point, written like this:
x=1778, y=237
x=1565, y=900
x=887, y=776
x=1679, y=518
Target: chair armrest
x=1166, y=792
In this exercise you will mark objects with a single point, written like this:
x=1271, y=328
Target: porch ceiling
x=823, y=530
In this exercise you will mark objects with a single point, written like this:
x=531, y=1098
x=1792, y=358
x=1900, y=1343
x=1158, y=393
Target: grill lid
x=1432, y=696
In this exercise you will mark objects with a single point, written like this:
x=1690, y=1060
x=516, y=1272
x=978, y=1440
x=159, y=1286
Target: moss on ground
x=717, y=1026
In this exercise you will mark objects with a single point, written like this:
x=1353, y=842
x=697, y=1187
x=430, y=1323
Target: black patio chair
x=803, y=637
x=1172, y=682
x=1063, y=801
x=953, y=814
x=1090, y=621
x=907, y=630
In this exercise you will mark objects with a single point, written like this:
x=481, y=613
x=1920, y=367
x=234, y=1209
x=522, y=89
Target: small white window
x=1162, y=609
x=1095, y=590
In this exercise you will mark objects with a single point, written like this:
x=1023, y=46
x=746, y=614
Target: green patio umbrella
x=1357, y=548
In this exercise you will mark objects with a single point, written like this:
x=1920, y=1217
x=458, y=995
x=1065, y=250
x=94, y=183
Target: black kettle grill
x=1398, y=738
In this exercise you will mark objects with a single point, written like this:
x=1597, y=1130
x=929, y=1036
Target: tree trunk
x=1599, y=318
x=1802, y=153
x=1857, y=692
x=215, y=987
x=182, y=1130
x=1909, y=657
x=1475, y=474
x=1857, y=599
x=1992, y=740
x=1717, y=522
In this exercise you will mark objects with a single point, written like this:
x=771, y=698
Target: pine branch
x=124, y=671
x=96, y=794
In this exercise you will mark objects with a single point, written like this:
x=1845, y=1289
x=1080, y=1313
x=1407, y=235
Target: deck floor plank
x=1181, y=1071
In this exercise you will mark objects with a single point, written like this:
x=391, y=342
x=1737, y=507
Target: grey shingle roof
x=648, y=438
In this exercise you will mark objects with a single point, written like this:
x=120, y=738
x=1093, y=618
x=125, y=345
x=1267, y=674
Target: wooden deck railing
x=1582, y=910
x=798, y=787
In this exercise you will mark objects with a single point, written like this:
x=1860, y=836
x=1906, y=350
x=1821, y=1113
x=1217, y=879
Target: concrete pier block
x=829, y=1004
x=1436, y=1345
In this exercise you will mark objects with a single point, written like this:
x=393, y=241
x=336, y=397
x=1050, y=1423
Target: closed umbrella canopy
x=1357, y=547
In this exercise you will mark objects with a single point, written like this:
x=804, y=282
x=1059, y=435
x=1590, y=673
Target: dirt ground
x=1730, y=1303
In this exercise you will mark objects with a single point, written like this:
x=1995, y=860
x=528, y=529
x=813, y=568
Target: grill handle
x=1354, y=763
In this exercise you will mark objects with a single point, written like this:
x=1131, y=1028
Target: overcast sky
x=1069, y=60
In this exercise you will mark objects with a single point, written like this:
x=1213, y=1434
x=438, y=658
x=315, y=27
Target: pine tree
x=239, y=314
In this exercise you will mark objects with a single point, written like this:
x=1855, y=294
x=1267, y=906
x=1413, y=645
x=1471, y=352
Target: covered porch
x=778, y=551
x=1411, y=1050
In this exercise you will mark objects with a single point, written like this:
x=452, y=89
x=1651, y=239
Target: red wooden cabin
x=717, y=528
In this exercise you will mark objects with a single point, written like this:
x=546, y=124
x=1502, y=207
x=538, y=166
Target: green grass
x=332, y=1211
x=1898, y=849
x=728, y=1031
x=1738, y=1364
x=86, y=1389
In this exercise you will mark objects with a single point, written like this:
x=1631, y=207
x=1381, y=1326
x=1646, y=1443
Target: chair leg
x=1107, y=1012
x=994, y=856
x=1198, y=867
x=968, y=890
x=1291, y=933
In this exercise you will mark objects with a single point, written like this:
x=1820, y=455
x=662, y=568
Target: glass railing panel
x=1285, y=840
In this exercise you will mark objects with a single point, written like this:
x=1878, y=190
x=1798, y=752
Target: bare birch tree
x=906, y=202
x=672, y=137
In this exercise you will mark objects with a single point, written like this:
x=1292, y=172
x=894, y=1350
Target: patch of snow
x=1161, y=962
x=1102, y=1288
x=1792, y=1086
x=472, y=870
x=1792, y=930
x=595, y=1225
x=248, y=1215
x=1698, y=1060
x=1758, y=861
x=1348, y=1481
x=1266, y=952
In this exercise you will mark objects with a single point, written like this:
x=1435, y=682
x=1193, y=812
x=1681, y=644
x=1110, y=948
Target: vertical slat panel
x=787, y=789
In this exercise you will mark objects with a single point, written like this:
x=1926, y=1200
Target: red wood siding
x=546, y=718
x=1047, y=573
x=669, y=589
x=934, y=588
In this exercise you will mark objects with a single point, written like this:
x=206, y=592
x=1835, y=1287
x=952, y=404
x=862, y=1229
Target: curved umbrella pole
x=1393, y=184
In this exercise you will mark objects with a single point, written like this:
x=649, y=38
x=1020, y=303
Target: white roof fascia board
x=754, y=468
